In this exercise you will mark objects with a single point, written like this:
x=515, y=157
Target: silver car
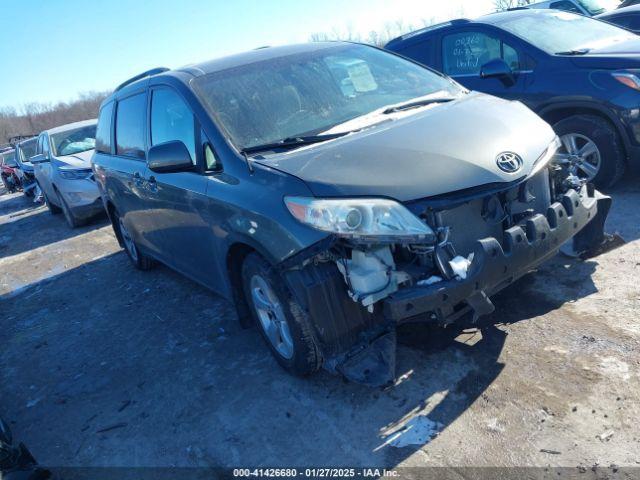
x=62, y=166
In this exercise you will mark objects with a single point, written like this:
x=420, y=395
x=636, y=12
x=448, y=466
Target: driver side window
x=465, y=53
x=172, y=119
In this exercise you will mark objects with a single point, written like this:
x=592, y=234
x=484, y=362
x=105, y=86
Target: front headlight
x=360, y=217
x=548, y=155
x=75, y=173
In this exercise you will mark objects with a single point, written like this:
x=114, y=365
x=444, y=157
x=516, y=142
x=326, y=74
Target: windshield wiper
x=293, y=142
x=415, y=104
x=579, y=51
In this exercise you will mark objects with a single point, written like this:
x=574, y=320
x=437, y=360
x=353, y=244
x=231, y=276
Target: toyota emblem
x=509, y=162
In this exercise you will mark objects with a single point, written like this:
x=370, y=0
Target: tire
x=609, y=146
x=139, y=259
x=304, y=357
x=72, y=220
x=53, y=209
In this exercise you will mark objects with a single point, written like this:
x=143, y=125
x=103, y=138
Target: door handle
x=152, y=184
x=137, y=179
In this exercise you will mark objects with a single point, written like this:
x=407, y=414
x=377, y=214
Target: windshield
x=595, y=7
x=8, y=159
x=559, y=32
x=309, y=93
x=27, y=150
x=74, y=141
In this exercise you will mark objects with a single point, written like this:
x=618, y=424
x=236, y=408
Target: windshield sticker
x=361, y=77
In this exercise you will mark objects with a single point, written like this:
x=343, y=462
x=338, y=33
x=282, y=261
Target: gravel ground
x=103, y=365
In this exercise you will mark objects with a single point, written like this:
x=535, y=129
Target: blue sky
x=52, y=50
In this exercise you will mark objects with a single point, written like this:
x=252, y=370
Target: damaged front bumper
x=496, y=264
x=359, y=342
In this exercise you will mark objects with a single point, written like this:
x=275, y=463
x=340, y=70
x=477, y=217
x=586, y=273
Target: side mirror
x=498, y=68
x=169, y=157
x=40, y=158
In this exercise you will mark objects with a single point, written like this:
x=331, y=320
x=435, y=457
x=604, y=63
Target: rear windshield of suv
x=564, y=32
x=309, y=93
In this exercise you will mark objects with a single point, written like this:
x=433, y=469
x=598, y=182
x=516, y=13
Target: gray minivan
x=333, y=191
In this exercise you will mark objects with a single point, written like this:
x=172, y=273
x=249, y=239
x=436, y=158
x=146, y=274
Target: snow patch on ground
x=613, y=366
x=420, y=430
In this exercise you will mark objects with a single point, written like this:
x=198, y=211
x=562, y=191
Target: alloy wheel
x=65, y=210
x=271, y=316
x=582, y=153
x=128, y=241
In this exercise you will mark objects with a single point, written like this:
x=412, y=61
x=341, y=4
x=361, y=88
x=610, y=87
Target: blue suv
x=579, y=74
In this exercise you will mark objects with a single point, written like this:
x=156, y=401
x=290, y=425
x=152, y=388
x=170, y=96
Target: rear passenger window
x=130, y=126
x=422, y=52
x=103, y=132
x=466, y=53
x=172, y=119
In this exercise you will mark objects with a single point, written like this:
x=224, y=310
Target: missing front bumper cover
x=360, y=344
x=497, y=264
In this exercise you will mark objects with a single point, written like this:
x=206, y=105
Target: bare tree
x=377, y=38
x=501, y=5
x=32, y=118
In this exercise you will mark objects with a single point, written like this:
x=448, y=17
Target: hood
x=78, y=160
x=625, y=54
x=445, y=148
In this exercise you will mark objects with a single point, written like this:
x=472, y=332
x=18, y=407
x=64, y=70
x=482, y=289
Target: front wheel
x=594, y=148
x=283, y=323
x=72, y=220
x=53, y=209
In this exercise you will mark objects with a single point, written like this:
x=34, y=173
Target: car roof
x=489, y=19
x=257, y=55
x=28, y=140
x=71, y=126
x=630, y=9
x=223, y=63
x=540, y=4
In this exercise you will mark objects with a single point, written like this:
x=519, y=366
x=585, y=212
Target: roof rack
x=148, y=73
x=435, y=26
x=513, y=9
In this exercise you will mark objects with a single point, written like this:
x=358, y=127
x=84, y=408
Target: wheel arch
x=55, y=188
x=554, y=113
x=235, y=255
x=110, y=208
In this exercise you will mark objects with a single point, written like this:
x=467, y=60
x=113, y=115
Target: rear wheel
x=139, y=259
x=593, y=146
x=283, y=323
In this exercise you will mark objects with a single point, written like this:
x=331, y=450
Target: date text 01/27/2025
x=314, y=472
